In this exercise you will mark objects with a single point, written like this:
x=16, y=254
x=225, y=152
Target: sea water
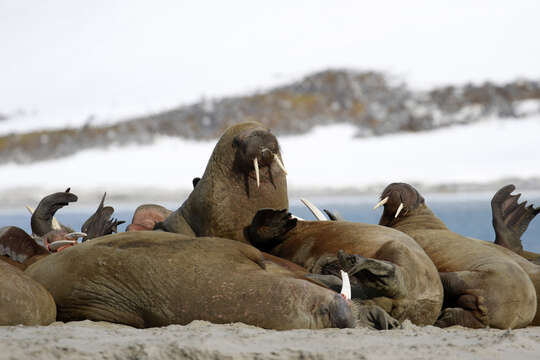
x=466, y=214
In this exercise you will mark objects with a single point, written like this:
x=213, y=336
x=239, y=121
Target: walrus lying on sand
x=484, y=284
x=244, y=174
x=23, y=300
x=150, y=278
x=387, y=267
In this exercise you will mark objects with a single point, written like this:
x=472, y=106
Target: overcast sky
x=128, y=56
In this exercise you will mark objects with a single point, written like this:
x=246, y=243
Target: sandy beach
x=203, y=340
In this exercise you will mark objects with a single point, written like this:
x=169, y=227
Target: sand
x=203, y=340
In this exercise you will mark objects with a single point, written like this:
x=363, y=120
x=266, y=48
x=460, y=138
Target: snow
x=327, y=157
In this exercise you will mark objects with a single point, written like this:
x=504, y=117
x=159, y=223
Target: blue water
x=467, y=215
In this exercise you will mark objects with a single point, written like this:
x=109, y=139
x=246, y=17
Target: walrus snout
x=398, y=199
x=340, y=313
x=255, y=144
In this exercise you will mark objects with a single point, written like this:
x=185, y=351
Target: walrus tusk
x=75, y=235
x=346, y=286
x=381, y=203
x=314, y=210
x=58, y=244
x=280, y=164
x=55, y=224
x=399, y=210
x=256, y=166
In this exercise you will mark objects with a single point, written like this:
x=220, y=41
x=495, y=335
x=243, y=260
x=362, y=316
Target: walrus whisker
x=346, y=286
x=280, y=164
x=256, y=166
x=382, y=202
x=314, y=210
x=398, y=210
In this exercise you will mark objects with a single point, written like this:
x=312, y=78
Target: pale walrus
x=387, y=267
x=484, y=284
x=244, y=174
x=23, y=300
x=150, y=278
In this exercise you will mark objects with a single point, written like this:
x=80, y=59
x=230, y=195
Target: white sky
x=74, y=58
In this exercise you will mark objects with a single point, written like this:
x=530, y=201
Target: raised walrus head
x=399, y=199
x=244, y=174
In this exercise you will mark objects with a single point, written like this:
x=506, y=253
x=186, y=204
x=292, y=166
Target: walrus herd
x=233, y=253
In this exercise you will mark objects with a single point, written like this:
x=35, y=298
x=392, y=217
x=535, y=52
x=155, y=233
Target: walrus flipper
x=374, y=317
x=100, y=223
x=377, y=277
x=42, y=218
x=268, y=228
x=464, y=304
x=510, y=218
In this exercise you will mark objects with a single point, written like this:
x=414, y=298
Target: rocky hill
x=374, y=102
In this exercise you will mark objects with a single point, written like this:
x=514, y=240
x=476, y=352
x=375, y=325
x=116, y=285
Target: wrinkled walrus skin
x=408, y=287
x=226, y=198
x=485, y=284
x=23, y=300
x=152, y=278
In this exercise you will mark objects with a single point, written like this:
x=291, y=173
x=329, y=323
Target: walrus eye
x=235, y=142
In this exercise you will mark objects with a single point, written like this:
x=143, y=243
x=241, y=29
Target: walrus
x=20, y=249
x=244, y=174
x=484, y=284
x=23, y=300
x=151, y=278
x=387, y=267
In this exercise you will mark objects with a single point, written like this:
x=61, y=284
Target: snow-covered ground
x=329, y=157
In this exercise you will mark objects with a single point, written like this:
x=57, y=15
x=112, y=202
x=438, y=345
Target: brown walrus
x=244, y=174
x=387, y=268
x=23, y=300
x=151, y=278
x=484, y=283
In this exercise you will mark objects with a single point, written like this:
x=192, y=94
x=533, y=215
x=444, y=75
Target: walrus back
x=146, y=279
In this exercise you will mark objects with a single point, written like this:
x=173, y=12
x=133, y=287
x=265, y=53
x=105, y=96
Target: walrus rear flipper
x=511, y=219
x=42, y=217
x=268, y=228
x=99, y=223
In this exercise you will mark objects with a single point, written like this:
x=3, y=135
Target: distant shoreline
x=14, y=199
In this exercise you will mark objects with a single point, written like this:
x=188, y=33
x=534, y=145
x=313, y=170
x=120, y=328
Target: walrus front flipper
x=41, y=221
x=374, y=317
x=511, y=219
x=268, y=228
x=381, y=278
x=464, y=305
x=99, y=223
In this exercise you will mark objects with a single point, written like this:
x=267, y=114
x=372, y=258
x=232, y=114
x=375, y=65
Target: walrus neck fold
x=422, y=217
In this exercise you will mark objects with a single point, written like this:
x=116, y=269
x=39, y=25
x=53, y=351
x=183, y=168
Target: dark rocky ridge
x=373, y=102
